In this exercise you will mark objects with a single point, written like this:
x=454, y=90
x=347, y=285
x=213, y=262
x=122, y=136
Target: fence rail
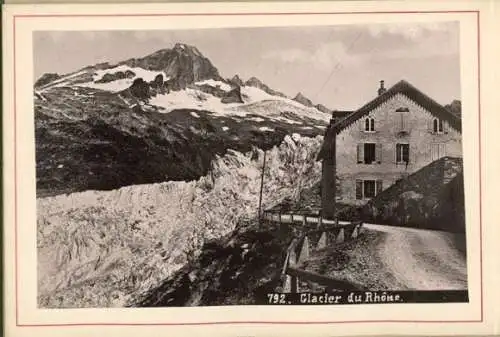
x=321, y=279
x=314, y=234
x=300, y=217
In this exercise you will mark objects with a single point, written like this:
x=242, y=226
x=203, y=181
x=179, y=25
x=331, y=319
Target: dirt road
x=421, y=259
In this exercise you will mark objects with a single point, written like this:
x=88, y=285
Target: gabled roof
x=404, y=88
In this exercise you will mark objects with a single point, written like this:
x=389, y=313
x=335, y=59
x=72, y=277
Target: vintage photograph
x=295, y=165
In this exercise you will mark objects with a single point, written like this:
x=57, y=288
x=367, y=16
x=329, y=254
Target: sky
x=338, y=66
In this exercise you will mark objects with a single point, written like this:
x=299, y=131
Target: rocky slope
x=106, y=248
x=431, y=198
x=165, y=116
x=240, y=268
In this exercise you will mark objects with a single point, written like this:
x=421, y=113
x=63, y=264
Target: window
x=437, y=125
x=370, y=124
x=437, y=151
x=359, y=189
x=369, y=188
x=402, y=122
x=369, y=156
x=402, y=153
x=369, y=153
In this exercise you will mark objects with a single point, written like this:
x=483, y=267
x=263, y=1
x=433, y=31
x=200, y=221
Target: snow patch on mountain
x=146, y=75
x=257, y=102
x=114, y=86
x=93, y=78
x=253, y=94
x=63, y=81
x=188, y=99
x=257, y=119
x=216, y=84
x=120, y=84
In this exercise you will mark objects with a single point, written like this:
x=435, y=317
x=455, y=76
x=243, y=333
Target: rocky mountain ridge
x=164, y=116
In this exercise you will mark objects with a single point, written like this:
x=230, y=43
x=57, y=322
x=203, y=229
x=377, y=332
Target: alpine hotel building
x=397, y=133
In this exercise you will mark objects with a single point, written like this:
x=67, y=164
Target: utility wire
x=338, y=65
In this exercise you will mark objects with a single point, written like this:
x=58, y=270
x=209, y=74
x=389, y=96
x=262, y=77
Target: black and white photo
x=242, y=166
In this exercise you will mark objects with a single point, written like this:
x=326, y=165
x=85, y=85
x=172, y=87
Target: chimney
x=381, y=90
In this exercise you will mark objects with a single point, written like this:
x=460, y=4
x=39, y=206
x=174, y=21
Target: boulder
x=140, y=89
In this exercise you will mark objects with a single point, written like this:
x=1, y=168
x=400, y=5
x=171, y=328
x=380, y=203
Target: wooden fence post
x=340, y=236
x=322, y=241
x=361, y=228
x=354, y=232
x=294, y=285
x=304, y=251
x=287, y=285
x=292, y=260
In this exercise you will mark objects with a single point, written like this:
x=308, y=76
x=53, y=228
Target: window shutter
x=360, y=153
x=445, y=127
x=442, y=150
x=378, y=153
x=404, y=121
x=406, y=153
x=379, y=186
x=429, y=124
x=435, y=151
x=359, y=189
x=361, y=124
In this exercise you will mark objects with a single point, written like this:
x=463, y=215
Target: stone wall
x=431, y=198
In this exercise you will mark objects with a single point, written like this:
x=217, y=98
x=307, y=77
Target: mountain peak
x=303, y=100
x=255, y=82
x=183, y=62
x=185, y=48
x=236, y=81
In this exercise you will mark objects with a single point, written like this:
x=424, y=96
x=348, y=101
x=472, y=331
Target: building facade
x=390, y=137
